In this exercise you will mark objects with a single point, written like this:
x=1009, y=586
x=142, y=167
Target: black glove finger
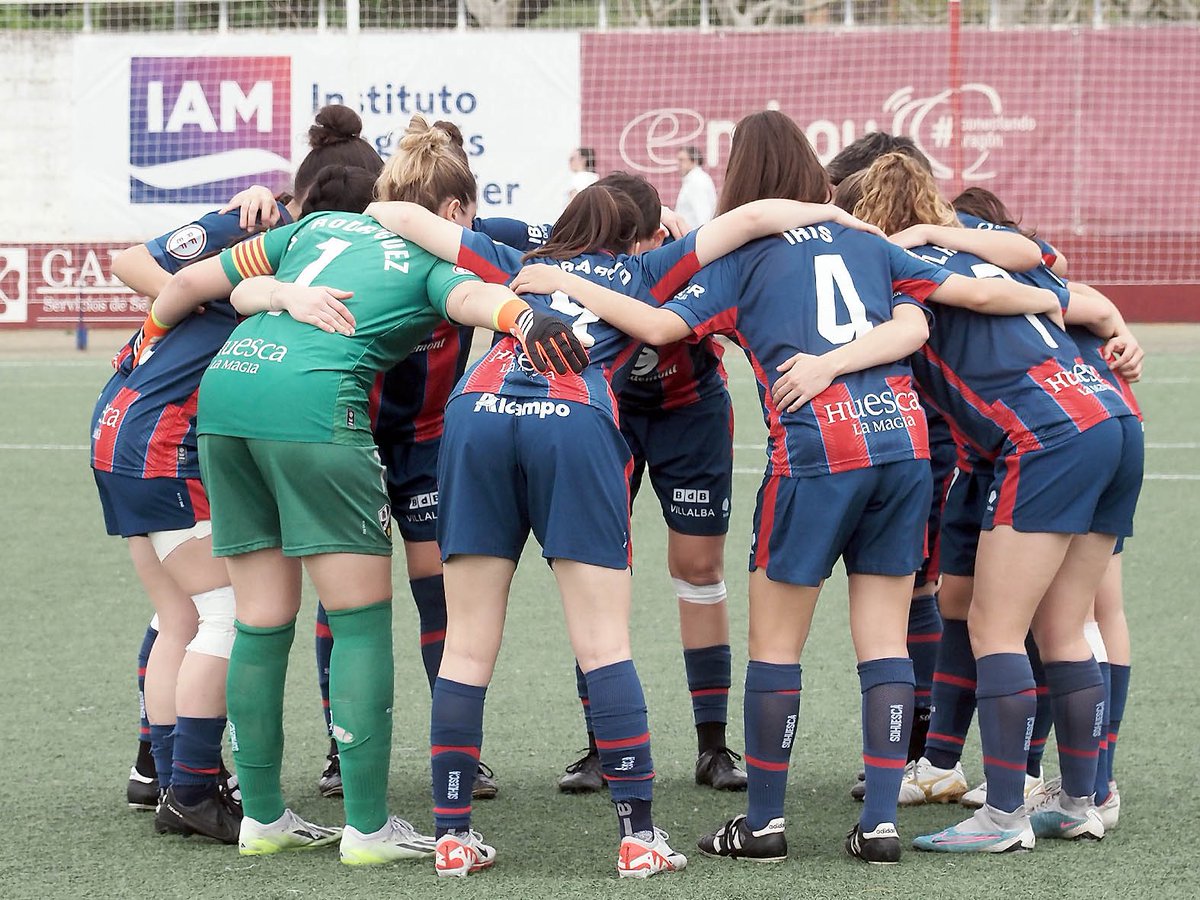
x=578, y=358
x=554, y=353
x=568, y=348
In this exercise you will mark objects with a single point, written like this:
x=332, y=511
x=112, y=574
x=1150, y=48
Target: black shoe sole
x=580, y=790
x=741, y=858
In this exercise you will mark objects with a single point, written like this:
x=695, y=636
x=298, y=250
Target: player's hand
x=549, y=343
x=675, y=224
x=540, y=278
x=851, y=221
x=145, y=341
x=912, y=236
x=804, y=377
x=316, y=305
x=1125, y=356
x=258, y=209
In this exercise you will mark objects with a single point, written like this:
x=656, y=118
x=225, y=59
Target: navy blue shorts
x=942, y=457
x=510, y=465
x=137, y=506
x=962, y=519
x=689, y=454
x=1088, y=483
x=413, y=488
x=874, y=519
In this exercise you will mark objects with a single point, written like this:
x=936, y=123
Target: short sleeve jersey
x=649, y=277
x=412, y=403
x=1008, y=384
x=280, y=379
x=812, y=290
x=144, y=425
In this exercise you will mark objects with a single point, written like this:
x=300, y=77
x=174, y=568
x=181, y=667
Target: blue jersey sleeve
x=513, y=232
x=666, y=269
x=207, y=236
x=913, y=279
x=709, y=303
x=495, y=263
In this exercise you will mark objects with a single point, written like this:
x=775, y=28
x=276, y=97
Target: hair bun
x=335, y=124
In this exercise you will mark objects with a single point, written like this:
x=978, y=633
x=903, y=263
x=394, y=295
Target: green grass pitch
x=73, y=615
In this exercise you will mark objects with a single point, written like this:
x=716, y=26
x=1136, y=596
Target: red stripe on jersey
x=469, y=259
x=766, y=523
x=323, y=631
x=997, y=412
x=1007, y=501
x=441, y=365
x=567, y=387
x=677, y=276
x=628, y=499
x=1082, y=407
x=1130, y=399
x=918, y=433
x=123, y=354
x=162, y=450
x=199, y=498
x=781, y=464
x=678, y=382
x=489, y=373
x=917, y=288
x=724, y=322
x=623, y=743
x=1049, y=259
x=108, y=428
x=842, y=437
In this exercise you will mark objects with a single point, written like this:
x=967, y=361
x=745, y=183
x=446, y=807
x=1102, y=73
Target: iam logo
x=984, y=127
x=203, y=128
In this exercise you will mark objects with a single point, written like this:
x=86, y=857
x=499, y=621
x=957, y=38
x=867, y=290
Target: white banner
x=163, y=128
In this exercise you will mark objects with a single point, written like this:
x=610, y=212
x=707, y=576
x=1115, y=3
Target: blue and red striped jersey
x=144, y=423
x=1008, y=383
x=651, y=277
x=812, y=290
x=1049, y=254
x=409, y=402
x=1091, y=350
x=674, y=376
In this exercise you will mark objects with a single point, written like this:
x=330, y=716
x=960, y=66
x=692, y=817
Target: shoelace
x=486, y=770
x=729, y=755
x=579, y=763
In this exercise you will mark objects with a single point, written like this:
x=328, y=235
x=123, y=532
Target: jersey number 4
x=833, y=279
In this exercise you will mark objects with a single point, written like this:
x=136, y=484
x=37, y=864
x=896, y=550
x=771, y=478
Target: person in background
x=697, y=201
x=582, y=163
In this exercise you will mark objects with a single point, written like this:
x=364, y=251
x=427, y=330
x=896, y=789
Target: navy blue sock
x=455, y=736
x=1102, y=759
x=1007, y=704
x=581, y=689
x=1043, y=719
x=324, y=652
x=887, y=711
x=143, y=658
x=772, y=716
x=430, y=596
x=1119, y=676
x=197, y=766
x=1077, y=692
x=623, y=739
x=708, y=678
x=924, y=636
x=953, y=696
x=162, y=747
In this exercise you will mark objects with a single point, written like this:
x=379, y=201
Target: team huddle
x=946, y=414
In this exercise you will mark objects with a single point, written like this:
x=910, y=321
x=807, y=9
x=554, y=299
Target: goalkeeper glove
x=547, y=340
x=148, y=336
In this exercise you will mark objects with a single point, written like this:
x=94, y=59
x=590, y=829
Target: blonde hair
x=897, y=193
x=427, y=169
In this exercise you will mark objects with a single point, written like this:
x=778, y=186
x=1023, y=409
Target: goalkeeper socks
x=324, y=644
x=197, y=766
x=952, y=694
x=162, y=748
x=887, y=705
x=143, y=658
x=1119, y=675
x=622, y=732
x=708, y=678
x=455, y=736
x=772, y=713
x=254, y=700
x=1077, y=693
x=430, y=596
x=1007, y=704
x=361, y=678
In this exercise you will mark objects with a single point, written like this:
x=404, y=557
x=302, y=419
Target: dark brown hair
x=334, y=140
x=427, y=169
x=455, y=134
x=858, y=155
x=771, y=158
x=644, y=194
x=340, y=189
x=847, y=194
x=598, y=218
x=983, y=204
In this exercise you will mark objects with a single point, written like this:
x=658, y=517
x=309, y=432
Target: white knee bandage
x=1091, y=631
x=704, y=594
x=166, y=541
x=214, y=637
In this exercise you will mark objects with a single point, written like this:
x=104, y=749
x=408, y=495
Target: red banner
x=48, y=285
x=1083, y=133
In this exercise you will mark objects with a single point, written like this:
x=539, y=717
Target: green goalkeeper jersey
x=280, y=379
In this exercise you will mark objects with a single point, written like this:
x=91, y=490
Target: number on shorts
x=833, y=278
x=987, y=270
x=583, y=317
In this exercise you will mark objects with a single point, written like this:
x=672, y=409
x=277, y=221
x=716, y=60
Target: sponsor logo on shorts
x=423, y=501
x=187, y=242
x=694, y=503
x=422, y=508
x=543, y=409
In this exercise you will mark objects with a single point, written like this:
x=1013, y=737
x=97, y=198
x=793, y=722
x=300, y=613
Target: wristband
x=155, y=322
x=504, y=319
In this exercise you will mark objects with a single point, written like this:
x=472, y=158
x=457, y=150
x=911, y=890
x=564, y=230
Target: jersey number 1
x=330, y=248
x=833, y=278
